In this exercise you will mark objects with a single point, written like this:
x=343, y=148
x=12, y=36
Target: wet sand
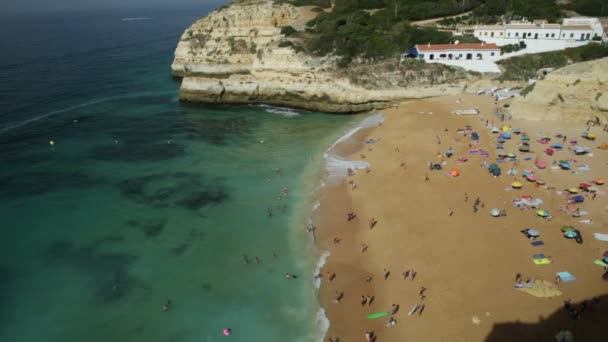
x=467, y=261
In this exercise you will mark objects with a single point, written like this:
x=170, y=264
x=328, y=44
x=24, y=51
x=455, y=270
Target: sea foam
x=286, y=112
x=336, y=165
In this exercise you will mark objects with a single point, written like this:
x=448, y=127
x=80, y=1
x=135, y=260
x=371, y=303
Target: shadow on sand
x=590, y=325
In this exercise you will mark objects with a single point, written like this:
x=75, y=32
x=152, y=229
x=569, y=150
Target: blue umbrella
x=501, y=139
x=507, y=135
x=570, y=234
x=533, y=232
x=578, y=199
x=558, y=145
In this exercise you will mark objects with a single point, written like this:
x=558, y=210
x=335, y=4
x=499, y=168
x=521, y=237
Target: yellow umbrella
x=599, y=181
x=516, y=185
x=505, y=128
x=572, y=190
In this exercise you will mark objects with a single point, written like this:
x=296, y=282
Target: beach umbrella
x=516, y=185
x=511, y=155
x=564, y=165
x=495, y=212
x=475, y=136
x=501, y=139
x=599, y=181
x=603, y=146
x=505, y=128
x=516, y=130
x=566, y=228
x=540, y=182
x=454, y=173
x=549, y=152
x=584, y=186
x=578, y=150
x=542, y=213
x=540, y=164
x=531, y=177
x=524, y=148
x=507, y=135
x=449, y=152
x=570, y=234
x=525, y=137
x=592, y=189
x=558, y=146
x=578, y=199
x=495, y=130
x=533, y=233
x=572, y=190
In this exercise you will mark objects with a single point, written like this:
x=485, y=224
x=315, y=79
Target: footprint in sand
x=475, y=320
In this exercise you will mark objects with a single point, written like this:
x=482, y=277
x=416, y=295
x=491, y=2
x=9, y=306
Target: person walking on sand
x=451, y=212
x=338, y=297
x=363, y=247
x=363, y=300
x=414, y=274
x=406, y=274
x=386, y=274
x=395, y=309
x=372, y=222
x=426, y=177
x=466, y=197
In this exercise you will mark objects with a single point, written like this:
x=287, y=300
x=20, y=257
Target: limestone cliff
x=237, y=54
x=574, y=93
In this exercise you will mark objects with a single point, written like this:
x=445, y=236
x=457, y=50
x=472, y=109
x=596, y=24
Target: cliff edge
x=237, y=54
x=575, y=93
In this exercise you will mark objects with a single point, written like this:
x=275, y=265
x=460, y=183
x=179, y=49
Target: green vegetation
x=288, y=31
x=527, y=89
x=318, y=3
x=512, y=47
x=594, y=8
x=522, y=68
x=530, y=9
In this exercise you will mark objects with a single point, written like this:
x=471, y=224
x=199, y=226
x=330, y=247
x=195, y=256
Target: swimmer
x=226, y=331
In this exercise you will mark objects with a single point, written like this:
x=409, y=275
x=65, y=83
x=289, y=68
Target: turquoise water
x=141, y=199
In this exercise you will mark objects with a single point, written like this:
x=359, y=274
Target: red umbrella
x=584, y=186
x=549, y=151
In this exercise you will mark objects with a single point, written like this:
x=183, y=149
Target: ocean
x=116, y=198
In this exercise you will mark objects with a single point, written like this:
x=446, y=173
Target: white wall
x=576, y=34
x=596, y=25
x=461, y=55
x=531, y=33
x=481, y=33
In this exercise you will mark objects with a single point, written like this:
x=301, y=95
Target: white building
x=596, y=25
x=437, y=52
x=581, y=29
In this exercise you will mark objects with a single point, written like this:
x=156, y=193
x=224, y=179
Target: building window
x=546, y=35
x=552, y=35
x=501, y=34
x=563, y=35
x=509, y=34
x=491, y=53
x=571, y=35
x=431, y=56
x=516, y=34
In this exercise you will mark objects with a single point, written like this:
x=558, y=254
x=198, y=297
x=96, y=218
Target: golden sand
x=466, y=260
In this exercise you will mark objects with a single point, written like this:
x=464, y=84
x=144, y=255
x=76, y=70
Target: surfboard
x=377, y=315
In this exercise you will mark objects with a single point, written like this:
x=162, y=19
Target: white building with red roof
x=472, y=52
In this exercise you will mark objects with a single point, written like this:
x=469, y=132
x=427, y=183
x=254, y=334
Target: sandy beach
x=467, y=261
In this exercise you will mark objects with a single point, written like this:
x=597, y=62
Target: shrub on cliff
x=318, y=3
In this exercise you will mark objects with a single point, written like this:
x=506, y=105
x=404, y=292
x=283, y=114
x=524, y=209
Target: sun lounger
x=543, y=261
x=601, y=263
x=537, y=243
x=566, y=276
x=601, y=237
x=539, y=256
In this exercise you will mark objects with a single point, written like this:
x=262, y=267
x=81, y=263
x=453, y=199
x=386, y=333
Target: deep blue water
x=115, y=197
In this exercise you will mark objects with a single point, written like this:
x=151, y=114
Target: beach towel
x=601, y=237
x=566, y=276
x=538, y=256
x=543, y=261
x=377, y=315
x=537, y=243
x=601, y=263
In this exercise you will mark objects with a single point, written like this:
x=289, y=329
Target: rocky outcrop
x=237, y=54
x=575, y=93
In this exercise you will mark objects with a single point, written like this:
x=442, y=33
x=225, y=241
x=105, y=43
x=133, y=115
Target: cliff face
x=575, y=93
x=237, y=54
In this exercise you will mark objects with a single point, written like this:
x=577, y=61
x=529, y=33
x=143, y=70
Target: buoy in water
x=51, y=142
x=226, y=331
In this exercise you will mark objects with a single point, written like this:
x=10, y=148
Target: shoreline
x=454, y=302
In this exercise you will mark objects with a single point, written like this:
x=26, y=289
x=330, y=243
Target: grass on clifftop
x=523, y=68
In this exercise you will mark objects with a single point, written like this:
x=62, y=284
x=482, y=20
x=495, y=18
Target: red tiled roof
x=448, y=47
